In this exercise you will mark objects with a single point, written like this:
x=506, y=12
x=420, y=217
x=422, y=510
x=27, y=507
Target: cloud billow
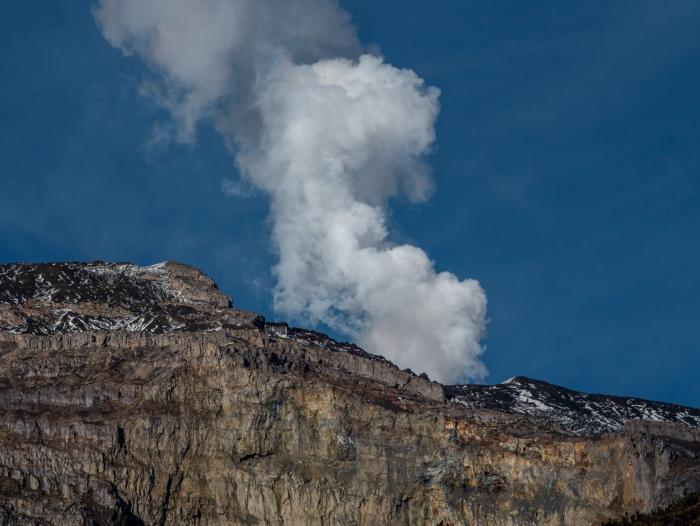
x=330, y=134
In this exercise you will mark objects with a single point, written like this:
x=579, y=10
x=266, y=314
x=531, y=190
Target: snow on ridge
x=573, y=411
x=70, y=297
x=66, y=322
x=155, y=268
x=78, y=282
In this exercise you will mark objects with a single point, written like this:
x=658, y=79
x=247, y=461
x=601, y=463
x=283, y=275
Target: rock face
x=573, y=412
x=140, y=396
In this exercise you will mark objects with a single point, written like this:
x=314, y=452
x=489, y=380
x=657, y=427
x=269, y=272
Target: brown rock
x=219, y=422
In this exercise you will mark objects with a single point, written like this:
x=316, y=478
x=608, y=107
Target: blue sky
x=566, y=175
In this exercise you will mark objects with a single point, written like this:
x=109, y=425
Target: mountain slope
x=139, y=395
x=575, y=412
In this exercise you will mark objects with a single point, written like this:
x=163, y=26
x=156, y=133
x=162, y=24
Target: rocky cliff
x=138, y=395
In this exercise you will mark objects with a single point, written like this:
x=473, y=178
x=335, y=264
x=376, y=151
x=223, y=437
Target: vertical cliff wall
x=139, y=396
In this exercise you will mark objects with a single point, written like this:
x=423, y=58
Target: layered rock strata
x=134, y=395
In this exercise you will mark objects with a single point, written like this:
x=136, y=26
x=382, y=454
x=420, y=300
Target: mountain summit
x=140, y=395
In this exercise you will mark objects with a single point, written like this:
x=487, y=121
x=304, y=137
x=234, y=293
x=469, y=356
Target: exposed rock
x=683, y=513
x=139, y=396
x=575, y=412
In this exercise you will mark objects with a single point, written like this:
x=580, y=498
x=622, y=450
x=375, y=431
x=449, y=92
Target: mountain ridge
x=142, y=296
x=142, y=394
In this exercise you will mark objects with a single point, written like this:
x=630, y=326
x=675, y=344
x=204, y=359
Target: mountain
x=139, y=395
x=574, y=412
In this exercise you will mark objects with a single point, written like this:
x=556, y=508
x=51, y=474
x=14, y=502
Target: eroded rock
x=198, y=415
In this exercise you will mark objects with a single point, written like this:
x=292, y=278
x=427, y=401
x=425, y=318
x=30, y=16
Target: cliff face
x=139, y=396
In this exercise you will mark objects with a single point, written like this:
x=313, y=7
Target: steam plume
x=330, y=134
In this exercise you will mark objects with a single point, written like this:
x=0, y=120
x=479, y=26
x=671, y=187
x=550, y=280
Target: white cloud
x=237, y=188
x=207, y=50
x=329, y=135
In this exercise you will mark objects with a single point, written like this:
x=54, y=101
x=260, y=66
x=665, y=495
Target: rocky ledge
x=139, y=395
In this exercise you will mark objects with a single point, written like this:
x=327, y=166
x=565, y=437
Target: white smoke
x=330, y=134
